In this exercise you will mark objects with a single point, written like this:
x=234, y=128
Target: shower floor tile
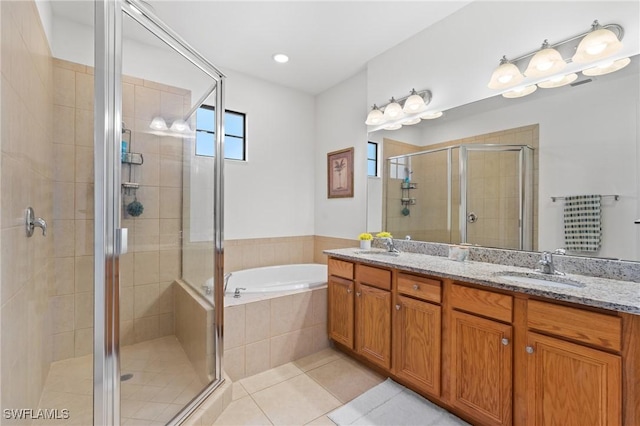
x=163, y=381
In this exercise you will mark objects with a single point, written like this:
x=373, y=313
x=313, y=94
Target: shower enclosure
x=471, y=193
x=143, y=227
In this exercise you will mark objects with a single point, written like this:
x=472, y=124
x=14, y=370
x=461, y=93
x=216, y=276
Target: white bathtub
x=280, y=278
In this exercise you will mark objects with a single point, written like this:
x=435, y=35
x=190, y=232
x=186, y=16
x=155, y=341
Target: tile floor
x=163, y=382
x=302, y=392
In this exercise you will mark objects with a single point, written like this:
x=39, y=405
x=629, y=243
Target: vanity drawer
x=340, y=268
x=482, y=302
x=575, y=324
x=376, y=277
x=420, y=287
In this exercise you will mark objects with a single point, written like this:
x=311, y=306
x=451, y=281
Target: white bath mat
x=392, y=404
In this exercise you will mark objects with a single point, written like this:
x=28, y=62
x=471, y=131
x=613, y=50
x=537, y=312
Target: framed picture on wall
x=340, y=174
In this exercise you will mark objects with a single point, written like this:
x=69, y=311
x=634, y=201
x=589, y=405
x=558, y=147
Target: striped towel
x=582, y=223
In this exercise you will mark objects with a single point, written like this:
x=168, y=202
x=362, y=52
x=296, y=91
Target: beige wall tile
x=84, y=201
x=126, y=303
x=126, y=333
x=84, y=91
x=64, y=238
x=128, y=100
x=166, y=324
x=170, y=203
x=62, y=312
x=149, y=173
x=234, y=319
x=147, y=103
x=145, y=298
x=257, y=357
x=146, y=328
x=149, y=196
x=83, y=341
x=84, y=310
x=170, y=264
x=235, y=363
x=165, y=298
x=63, y=282
x=64, y=82
x=84, y=127
x=63, y=200
x=146, y=268
x=319, y=306
x=84, y=237
x=126, y=270
x=63, y=345
x=64, y=163
x=258, y=321
x=171, y=172
x=84, y=164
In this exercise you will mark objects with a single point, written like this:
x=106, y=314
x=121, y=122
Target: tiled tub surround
x=617, y=295
x=264, y=334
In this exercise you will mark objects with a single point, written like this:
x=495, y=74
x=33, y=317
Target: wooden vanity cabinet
x=340, y=295
x=373, y=314
x=481, y=355
x=417, y=326
x=568, y=382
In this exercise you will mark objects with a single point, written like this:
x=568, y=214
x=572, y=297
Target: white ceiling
x=327, y=41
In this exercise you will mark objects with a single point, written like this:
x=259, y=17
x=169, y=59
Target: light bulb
x=158, y=123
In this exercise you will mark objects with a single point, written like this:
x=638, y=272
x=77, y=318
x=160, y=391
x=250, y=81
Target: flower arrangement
x=365, y=236
x=384, y=235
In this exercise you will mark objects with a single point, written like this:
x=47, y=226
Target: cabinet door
x=571, y=384
x=373, y=324
x=340, y=315
x=416, y=343
x=481, y=358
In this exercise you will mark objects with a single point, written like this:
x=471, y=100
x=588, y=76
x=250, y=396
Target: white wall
x=588, y=145
x=340, y=114
x=271, y=195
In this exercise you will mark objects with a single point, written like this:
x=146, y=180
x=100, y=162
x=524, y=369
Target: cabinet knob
x=505, y=341
x=358, y=293
x=349, y=291
x=529, y=349
x=416, y=287
x=397, y=307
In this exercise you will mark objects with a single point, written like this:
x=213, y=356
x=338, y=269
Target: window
x=372, y=159
x=235, y=133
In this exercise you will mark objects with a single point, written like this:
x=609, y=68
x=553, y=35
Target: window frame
x=376, y=160
x=244, y=132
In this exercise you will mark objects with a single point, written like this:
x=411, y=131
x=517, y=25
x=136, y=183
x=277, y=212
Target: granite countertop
x=622, y=296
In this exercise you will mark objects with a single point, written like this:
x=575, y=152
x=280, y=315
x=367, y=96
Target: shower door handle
x=122, y=241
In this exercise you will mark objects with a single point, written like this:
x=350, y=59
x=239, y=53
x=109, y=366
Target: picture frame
x=340, y=173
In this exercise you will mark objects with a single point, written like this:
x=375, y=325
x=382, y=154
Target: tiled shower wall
x=26, y=176
x=153, y=261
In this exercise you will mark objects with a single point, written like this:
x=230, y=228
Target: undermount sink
x=539, y=279
x=378, y=253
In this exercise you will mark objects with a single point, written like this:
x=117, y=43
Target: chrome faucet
x=236, y=294
x=546, y=265
x=226, y=281
x=391, y=248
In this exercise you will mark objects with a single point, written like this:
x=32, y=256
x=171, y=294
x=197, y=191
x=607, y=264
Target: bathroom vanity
x=492, y=349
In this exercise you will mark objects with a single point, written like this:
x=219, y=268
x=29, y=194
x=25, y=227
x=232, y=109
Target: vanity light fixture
x=546, y=61
x=600, y=42
x=403, y=111
x=432, y=115
x=158, y=123
x=558, y=81
x=180, y=126
x=607, y=67
x=519, y=92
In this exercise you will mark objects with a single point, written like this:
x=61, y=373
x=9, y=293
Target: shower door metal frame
x=525, y=182
x=110, y=239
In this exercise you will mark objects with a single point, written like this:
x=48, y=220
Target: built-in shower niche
x=480, y=190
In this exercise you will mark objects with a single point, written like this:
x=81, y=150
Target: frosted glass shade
x=558, y=81
x=520, y=92
x=179, y=126
x=607, y=68
x=505, y=76
x=158, y=123
x=431, y=115
x=412, y=121
x=596, y=45
x=414, y=104
x=375, y=117
x=546, y=62
x=393, y=111
x=393, y=127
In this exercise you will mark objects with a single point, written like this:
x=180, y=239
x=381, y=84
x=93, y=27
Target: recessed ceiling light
x=281, y=58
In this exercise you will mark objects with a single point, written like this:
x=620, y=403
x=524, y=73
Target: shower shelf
x=134, y=158
x=406, y=199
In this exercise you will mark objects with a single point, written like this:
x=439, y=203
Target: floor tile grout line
x=261, y=409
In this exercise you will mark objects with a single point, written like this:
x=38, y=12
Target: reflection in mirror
x=585, y=140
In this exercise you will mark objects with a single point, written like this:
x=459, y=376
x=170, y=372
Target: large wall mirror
x=583, y=140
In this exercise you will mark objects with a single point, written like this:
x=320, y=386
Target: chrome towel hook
x=30, y=222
